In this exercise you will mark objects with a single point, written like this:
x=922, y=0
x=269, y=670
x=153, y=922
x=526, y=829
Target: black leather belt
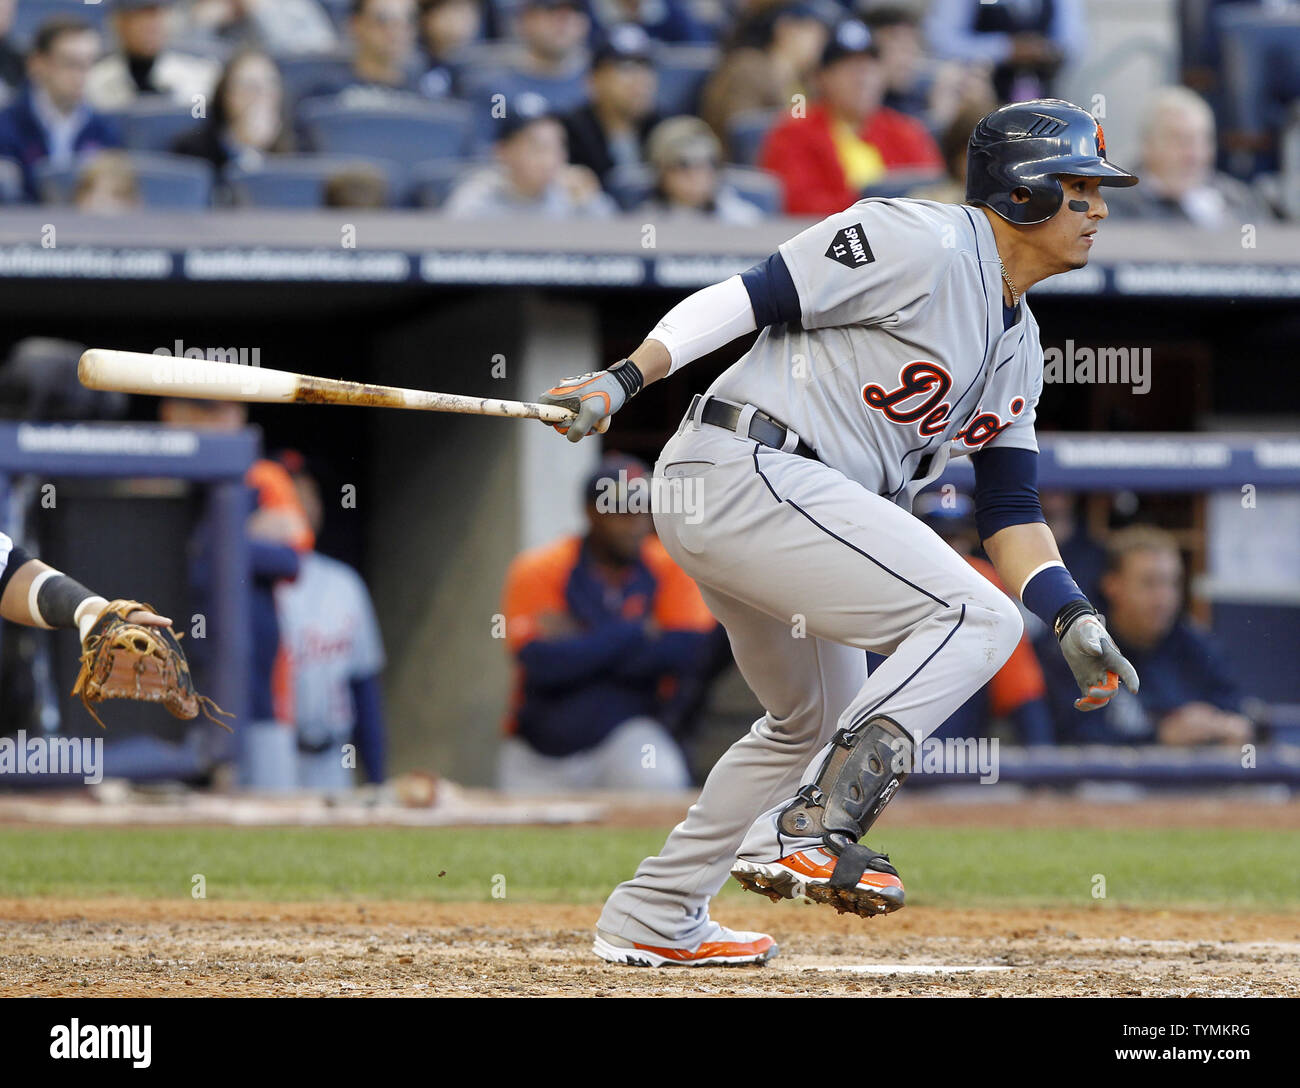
x=762, y=427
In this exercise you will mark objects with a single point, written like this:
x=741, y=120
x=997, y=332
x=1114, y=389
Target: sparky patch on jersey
x=849, y=247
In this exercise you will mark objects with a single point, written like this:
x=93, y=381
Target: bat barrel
x=168, y=376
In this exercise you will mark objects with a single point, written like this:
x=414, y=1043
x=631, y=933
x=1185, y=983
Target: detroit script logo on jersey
x=921, y=398
x=849, y=247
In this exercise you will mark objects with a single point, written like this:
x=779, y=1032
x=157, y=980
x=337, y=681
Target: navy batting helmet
x=1027, y=146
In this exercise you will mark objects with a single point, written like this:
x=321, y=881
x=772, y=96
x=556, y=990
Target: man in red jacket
x=847, y=141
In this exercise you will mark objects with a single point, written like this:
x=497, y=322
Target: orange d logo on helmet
x=1101, y=139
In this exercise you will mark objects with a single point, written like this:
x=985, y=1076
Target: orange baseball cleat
x=807, y=873
x=728, y=948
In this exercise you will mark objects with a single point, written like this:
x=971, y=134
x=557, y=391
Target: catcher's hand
x=1097, y=664
x=594, y=397
x=131, y=652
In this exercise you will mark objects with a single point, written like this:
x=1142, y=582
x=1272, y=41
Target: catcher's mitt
x=121, y=660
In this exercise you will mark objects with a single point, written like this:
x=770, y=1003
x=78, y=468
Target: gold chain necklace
x=1015, y=293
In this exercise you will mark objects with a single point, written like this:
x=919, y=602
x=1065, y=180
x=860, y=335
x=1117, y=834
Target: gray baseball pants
x=806, y=570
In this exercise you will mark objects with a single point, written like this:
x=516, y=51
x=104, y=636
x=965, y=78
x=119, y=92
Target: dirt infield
x=187, y=948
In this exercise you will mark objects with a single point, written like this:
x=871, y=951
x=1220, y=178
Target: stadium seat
x=32, y=13
x=173, y=181
x=166, y=181
x=11, y=182
x=405, y=135
x=339, y=11
x=292, y=181
x=432, y=181
x=757, y=186
x=902, y=182
x=1261, y=77
x=302, y=73
x=630, y=184
x=682, y=71
x=746, y=132
x=152, y=125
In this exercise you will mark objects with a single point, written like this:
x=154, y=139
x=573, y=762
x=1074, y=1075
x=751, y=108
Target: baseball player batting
x=892, y=336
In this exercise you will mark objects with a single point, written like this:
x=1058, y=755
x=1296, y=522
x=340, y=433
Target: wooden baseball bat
x=170, y=376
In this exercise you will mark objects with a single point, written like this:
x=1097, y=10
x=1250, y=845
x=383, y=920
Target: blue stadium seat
x=757, y=186
x=303, y=73
x=173, y=181
x=746, y=132
x=405, y=135
x=1261, y=78
x=11, y=182
x=166, y=181
x=630, y=184
x=32, y=13
x=339, y=11
x=291, y=181
x=152, y=125
x=682, y=71
x=432, y=181
x=903, y=182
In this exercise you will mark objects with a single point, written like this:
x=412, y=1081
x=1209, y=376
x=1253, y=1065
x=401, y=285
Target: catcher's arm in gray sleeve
x=36, y=595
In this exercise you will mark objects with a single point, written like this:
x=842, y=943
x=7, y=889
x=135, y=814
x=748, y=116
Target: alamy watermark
x=624, y=494
x=949, y=755
x=1098, y=366
x=82, y=756
x=188, y=366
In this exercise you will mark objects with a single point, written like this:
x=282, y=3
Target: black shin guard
x=858, y=778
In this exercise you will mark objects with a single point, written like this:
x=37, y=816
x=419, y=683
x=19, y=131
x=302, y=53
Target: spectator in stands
x=897, y=34
x=601, y=627
x=384, y=71
x=668, y=21
x=848, y=141
x=687, y=160
x=246, y=120
x=1017, y=693
x=107, y=185
x=50, y=121
x=361, y=186
x=446, y=28
x=13, y=66
x=952, y=145
x=1084, y=558
x=145, y=64
x=1025, y=40
x=770, y=61
x=611, y=129
x=532, y=174
x=1187, y=695
x=281, y=27
x=336, y=656
x=552, y=60
x=1179, y=182
x=279, y=533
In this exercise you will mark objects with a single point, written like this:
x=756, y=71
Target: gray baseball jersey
x=329, y=630
x=902, y=353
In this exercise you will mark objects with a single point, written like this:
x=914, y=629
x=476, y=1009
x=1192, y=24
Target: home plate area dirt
x=162, y=948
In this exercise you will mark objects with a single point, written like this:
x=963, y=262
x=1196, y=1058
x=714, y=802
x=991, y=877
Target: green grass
x=1228, y=869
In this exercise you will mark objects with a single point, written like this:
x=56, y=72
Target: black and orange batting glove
x=594, y=397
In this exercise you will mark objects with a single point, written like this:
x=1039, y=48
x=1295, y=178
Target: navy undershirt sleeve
x=772, y=292
x=1006, y=489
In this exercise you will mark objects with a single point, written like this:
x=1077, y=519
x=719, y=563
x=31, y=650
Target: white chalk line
x=906, y=968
